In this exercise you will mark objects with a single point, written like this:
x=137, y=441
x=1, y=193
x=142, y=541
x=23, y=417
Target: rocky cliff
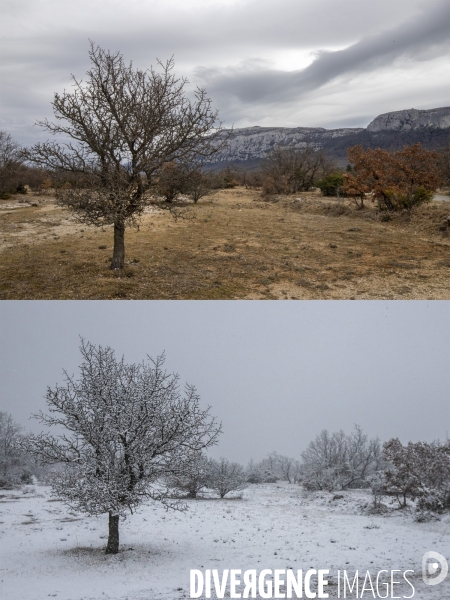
x=411, y=120
x=390, y=131
x=252, y=143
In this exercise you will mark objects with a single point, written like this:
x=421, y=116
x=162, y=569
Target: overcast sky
x=263, y=62
x=275, y=373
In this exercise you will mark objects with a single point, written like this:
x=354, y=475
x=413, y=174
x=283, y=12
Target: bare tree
x=173, y=180
x=226, y=476
x=16, y=466
x=10, y=434
x=444, y=164
x=11, y=167
x=287, y=468
x=126, y=427
x=273, y=468
x=194, y=479
x=291, y=170
x=123, y=124
x=199, y=184
x=340, y=460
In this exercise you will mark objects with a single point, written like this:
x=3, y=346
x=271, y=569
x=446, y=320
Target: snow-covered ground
x=48, y=551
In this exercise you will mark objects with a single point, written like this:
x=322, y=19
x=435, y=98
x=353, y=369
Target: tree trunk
x=113, y=537
x=119, y=246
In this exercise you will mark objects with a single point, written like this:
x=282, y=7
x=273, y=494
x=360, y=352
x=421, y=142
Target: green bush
x=331, y=185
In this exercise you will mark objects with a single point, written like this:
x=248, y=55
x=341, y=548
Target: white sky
x=263, y=62
x=275, y=373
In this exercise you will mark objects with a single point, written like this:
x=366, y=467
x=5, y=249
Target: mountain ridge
x=391, y=131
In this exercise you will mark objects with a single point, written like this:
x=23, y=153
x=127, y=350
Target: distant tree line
x=395, y=180
x=417, y=472
x=17, y=466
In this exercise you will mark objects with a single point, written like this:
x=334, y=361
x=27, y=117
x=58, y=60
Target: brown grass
x=237, y=246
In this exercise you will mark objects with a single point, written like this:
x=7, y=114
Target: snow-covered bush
x=226, y=476
x=340, y=461
x=418, y=471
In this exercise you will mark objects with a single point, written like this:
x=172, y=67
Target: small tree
x=172, y=180
x=274, y=467
x=418, y=471
x=199, y=185
x=291, y=170
x=126, y=427
x=123, y=124
x=398, y=180
x=226, y=476
x=340, y=460
x=194, y=479
x=16, y=466
x=400, y=480
x=444, y=164
x=287, y=467
x=11, y=166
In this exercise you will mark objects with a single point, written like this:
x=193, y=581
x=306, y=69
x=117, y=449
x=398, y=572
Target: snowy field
x=49, y=551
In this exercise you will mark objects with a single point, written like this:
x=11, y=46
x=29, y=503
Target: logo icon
x=434, y=568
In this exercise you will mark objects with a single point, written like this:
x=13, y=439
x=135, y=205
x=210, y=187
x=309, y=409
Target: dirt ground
x=234, y=246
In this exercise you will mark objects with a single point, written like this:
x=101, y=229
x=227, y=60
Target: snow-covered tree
x=273, y=468
x=194, y=479
x=16, y=465
x=124, y=429
x=226, y=476
x=287, y=468
x=418, y=470
x=10, y=433
x=260, y=472
x=340, y=460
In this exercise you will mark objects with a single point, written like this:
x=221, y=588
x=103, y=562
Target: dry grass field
x=235, y=246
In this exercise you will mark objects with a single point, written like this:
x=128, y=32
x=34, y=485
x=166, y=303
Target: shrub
x=397, y=180
x=418, y=471
x=331, y=185
x=226, y=476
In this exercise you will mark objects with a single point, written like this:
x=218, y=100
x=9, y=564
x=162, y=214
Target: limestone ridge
x=252, y=143
x=391, y=130
x=412, y=119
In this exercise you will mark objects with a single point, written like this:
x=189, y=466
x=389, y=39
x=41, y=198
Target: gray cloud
x=238, y=50
x=418, y=38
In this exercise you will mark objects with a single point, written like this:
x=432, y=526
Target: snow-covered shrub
x=340, y=461
x=226, y=476
x=418, y=471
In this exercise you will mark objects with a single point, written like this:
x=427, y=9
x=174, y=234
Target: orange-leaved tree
x=397, y=180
